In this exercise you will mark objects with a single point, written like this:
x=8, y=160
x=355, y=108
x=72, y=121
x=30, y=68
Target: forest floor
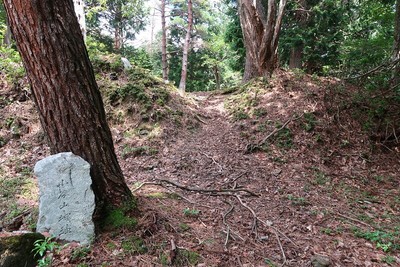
x=280, y=173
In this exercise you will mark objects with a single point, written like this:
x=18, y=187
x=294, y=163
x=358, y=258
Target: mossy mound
x=142, y=108
x=17, y=250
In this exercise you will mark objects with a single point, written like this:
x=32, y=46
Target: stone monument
x=66, y=199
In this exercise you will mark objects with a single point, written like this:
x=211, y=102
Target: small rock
x=320, y=261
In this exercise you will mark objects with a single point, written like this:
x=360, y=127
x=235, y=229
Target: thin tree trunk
x=7, y=36
x=396, y=46
x=118, y=28
x=164, y=43
x=261, y=29
x=182, y=84
x=79, y=7
x=65, y=91
x=296, y=55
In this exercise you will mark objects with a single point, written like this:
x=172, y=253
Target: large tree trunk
x=186, y=46
x=164, y=43
x=396, y=46
x=79, y=7
x=63, y=85
x=261, y=28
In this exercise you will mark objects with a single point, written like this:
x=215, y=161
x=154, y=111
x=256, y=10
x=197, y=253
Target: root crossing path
x=292, y=218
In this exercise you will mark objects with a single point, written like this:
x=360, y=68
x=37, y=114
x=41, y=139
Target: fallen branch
x=355, y=220
x=254, y=228
x=212, y=191
x=228, y=233
x=214, y=161
x=252, y=147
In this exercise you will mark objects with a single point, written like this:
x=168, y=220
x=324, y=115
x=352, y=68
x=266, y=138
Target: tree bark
x=396, y=45
x=296, y=55
x=118, y=28
x=79, y=7
x=261, y=28
x=164, y=43
x=63, y=86
x=186, y=45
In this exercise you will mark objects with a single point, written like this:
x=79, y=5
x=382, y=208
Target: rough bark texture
x=70, y=107
x=296, y=55
x=261, y=26
x=186, y=45
x=396, y=46
x=164, y=43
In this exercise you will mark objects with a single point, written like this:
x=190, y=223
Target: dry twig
x=212, y=191
x=252, y=147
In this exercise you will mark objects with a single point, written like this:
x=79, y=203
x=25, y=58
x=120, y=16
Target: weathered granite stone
x=66, y=200
x=16, y=250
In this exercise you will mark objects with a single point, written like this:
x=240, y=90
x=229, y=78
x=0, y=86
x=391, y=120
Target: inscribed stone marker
x=66, y=200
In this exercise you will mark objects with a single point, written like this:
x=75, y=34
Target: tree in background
x=123, y=18
x=210, y=59
x=261, y=24
x=312, y=34
x=65, y=91
x=164, y=59
x=396, y=45
x=233, y=36
x=186, y=46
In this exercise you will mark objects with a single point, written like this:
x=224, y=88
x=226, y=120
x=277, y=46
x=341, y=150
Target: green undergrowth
x=139, y=101
x=13, y=188
x=182, y=258
x=121, y=217
x=387, y=241
x=244, y=101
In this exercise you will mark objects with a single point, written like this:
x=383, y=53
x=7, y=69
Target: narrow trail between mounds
x=304, y=210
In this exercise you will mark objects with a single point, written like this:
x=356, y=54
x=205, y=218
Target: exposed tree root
x=252, y=147
x=232, y=193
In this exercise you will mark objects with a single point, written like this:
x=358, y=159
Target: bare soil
x=319, y=185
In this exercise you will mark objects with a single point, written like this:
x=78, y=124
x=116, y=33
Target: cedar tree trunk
x=186, y=45
x=63, y=85
x=261, y=26
x=164, y=43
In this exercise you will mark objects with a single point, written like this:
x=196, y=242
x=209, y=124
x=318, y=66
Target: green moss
x=184, y=227
x=134, y=245
x=118, y=218
x=186, y=258
x=138, y=151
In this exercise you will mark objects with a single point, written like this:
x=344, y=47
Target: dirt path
x=304, y=214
